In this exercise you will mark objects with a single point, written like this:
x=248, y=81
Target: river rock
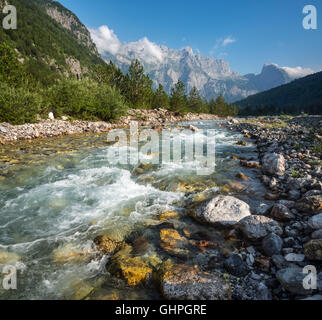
x=311, y=205
x=313, y=249
x=183, y=282
x=317, y=234
x=293, y=257
x=134, y=271
x=281, y=213
x=236, y=266
x=294, y=195
x=221, y=210
x=173, y=243
x=316, y=222
x=258, y=227
x=107, y=245
x=274, y=164
x=291, y=279
x=272, y=245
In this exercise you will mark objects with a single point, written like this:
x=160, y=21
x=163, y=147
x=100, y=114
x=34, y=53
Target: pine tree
x=160, y=99
x=178, y=99
x=138, y=87
x=195, y=103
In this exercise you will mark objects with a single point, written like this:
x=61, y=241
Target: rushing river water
x=58, y=194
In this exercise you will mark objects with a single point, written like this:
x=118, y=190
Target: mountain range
x=51, y=40
x=210, y=76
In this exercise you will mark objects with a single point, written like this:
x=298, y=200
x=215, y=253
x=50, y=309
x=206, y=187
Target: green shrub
x=19, y=105
x=85, y=100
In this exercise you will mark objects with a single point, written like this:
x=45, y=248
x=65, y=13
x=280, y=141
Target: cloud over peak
x=107, y=42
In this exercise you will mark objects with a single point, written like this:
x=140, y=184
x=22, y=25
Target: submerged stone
x=134, y=271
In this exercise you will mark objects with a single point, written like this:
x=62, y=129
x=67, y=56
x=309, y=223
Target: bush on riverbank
x=19, y=105
x=86, y=100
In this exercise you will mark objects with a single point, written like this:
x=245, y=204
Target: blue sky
x=256, y=31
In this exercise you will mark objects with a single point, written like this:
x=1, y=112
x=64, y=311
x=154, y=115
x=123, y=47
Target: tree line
x=137, y=88
x=105, y=94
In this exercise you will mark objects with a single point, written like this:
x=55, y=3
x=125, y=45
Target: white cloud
x=298, y=72
x=107, y=42
x=221, y=43
x=146, y=49
x=228, y=41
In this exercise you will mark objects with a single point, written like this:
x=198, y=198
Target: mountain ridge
x=50, y=40
x=300, y=95
x=212, y=77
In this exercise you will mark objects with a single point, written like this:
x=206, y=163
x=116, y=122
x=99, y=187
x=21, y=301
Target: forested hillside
x=302, y=95
x=46, y=48
x=50, y=64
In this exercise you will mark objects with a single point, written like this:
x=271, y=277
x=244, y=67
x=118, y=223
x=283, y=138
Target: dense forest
x=300, y=96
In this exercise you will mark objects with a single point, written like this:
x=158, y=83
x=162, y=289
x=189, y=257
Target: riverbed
x=58, y=194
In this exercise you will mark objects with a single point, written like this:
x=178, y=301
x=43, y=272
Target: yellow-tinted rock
x=133, y=270
x=173, y=243
x=154, y=261
x=242, y=176
x=170, y=236
x=8, y=257
x=107, y=245
x=169, y=215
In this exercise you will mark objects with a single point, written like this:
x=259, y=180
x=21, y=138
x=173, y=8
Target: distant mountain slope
x=50, y=40
x=212, y=77
x=299, y=93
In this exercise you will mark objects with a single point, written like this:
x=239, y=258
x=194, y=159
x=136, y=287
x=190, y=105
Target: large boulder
x=291, y=279
x=221, y=210
x=183, y=282
x=258, y=227
x=274, y=164
x=311, y=205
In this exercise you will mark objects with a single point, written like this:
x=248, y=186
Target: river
x=58, y=194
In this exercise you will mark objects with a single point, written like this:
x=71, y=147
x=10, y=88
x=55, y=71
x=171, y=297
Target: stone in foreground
x=182, y=282
x=272, y=245
x=258, y=227
x=316, y=222
x=222, y=210
x=313, y=249
x=311, y=205
x=291, y=279
x=274, y=164
x=282, y=213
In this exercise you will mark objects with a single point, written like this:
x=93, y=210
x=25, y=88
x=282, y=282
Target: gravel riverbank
x=290, y=161
x=53, y=128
